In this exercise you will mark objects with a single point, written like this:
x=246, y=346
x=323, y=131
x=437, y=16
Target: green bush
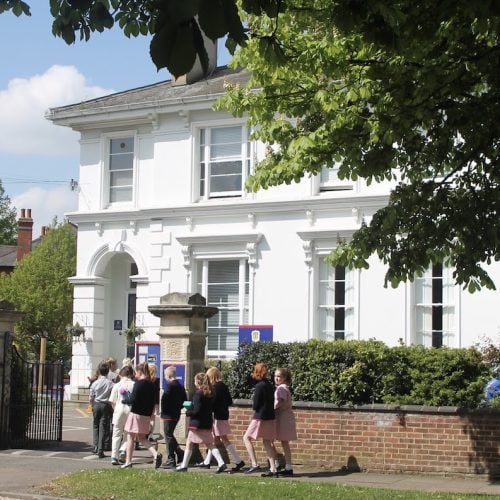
x=363, y=372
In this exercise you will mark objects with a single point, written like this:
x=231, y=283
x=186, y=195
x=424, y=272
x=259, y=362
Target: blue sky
x=38, y=71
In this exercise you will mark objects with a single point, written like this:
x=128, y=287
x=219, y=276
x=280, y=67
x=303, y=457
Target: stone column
x=183, y=336
x=8, y=316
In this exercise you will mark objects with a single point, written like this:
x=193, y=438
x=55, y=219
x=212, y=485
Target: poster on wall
x=148, y=352
x=180, y=373
x=255, y=333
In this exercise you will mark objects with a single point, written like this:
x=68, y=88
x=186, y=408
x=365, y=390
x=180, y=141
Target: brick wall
x=389, y=438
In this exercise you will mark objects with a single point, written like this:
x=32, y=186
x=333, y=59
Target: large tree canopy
x=406, y=91
x=39, y=287
x=401, y=91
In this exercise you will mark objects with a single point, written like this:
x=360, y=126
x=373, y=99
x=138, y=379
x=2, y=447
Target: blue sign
x=148, y=352
x=255, y=333
x=180, y=373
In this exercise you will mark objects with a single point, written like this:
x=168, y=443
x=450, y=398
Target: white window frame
x=232, y=246
x=349, y=308
x=243, y=298
x=247, y=159
x=106, y=172
x=333, y=185
x=317, y=244
x=449, y=304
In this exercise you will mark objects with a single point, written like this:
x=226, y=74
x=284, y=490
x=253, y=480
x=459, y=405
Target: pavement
x=23, y=472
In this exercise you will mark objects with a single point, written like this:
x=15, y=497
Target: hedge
x=363, y=372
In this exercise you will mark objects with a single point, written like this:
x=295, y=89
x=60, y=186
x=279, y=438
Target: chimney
x=24, y=233
x=196, y=72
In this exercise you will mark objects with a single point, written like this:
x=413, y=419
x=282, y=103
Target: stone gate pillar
x=183, y=333
x=183, y=338
x=8, y=316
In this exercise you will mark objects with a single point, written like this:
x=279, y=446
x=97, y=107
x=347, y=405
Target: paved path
x=22, y=471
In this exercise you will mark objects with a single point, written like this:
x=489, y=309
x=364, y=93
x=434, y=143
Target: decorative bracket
x=99, y=228
x=186, y=254
x=133, y=226
x=310, y=217
x=154, y=120
x=308, y=247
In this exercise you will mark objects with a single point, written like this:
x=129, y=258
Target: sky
x=38, y=159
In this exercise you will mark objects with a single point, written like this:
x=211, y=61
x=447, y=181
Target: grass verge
x=148, y=484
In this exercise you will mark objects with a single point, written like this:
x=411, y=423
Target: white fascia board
x=239, y=207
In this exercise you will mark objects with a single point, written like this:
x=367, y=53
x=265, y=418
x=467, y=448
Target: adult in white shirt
x=121, y=389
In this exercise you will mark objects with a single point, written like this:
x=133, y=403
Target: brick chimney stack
x=24, y=233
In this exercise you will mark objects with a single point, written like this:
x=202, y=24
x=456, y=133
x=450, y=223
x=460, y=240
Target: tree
x=8, y=222
x=177, y=27
x=39, y=287
x=407, y=92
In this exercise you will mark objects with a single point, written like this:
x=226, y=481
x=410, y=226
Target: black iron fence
x=36, y=403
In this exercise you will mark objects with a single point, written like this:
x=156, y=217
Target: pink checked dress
x=286, y=428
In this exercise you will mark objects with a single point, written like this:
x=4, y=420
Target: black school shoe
x=285, y=472
x=269, y=474
x=238, y=466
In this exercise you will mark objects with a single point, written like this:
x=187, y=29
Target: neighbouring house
x=162, y=208
x=10, y=255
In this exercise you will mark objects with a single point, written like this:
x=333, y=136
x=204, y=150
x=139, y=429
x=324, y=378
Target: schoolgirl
x=262, y=425
x=200, y=424
x=221, y=427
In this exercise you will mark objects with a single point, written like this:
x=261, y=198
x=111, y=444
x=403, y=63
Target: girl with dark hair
x=200, y=425
x=142, y=401
x=262, y=425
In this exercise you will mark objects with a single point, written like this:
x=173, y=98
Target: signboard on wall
x=255, y=333
x=148, y=352
x=180, y=373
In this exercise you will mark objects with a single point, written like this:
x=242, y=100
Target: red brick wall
x=381, y=437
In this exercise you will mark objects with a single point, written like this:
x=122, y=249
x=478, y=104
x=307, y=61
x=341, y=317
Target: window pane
x=224, y=135
x=226, y=183
x=226, y=168
x=122, y=145
x=225, y=151
x=120, y=194
x=121, y=178
x=121, y=162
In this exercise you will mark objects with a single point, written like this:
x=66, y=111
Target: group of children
x=272, y=420
x=132, y=399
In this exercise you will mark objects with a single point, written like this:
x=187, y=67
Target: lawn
x=148, y=484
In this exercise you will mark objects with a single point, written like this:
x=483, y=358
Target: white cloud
x=23, y=127
x=45, y=204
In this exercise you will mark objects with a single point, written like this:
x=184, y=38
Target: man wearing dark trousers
x=100, y=390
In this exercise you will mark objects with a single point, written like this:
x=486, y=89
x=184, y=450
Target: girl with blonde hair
x=200, y=425
x=142, y=402
x=221, y=428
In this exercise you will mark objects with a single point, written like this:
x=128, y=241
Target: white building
x=162, y=208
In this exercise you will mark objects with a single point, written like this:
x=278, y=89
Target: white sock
x=277, y=463
x=232, y=450
x=187, y=457
x=218, y=456
x=208, y=458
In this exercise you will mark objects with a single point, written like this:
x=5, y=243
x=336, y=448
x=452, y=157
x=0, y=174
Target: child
x=221, y=428
x=286, y=429
x=142, y=402
x=200, y=425
x=121, y=389
x=262, y=424
x=100, y=390
x=171, y=405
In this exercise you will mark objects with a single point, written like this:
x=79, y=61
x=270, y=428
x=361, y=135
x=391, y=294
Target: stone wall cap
x=383, y=408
